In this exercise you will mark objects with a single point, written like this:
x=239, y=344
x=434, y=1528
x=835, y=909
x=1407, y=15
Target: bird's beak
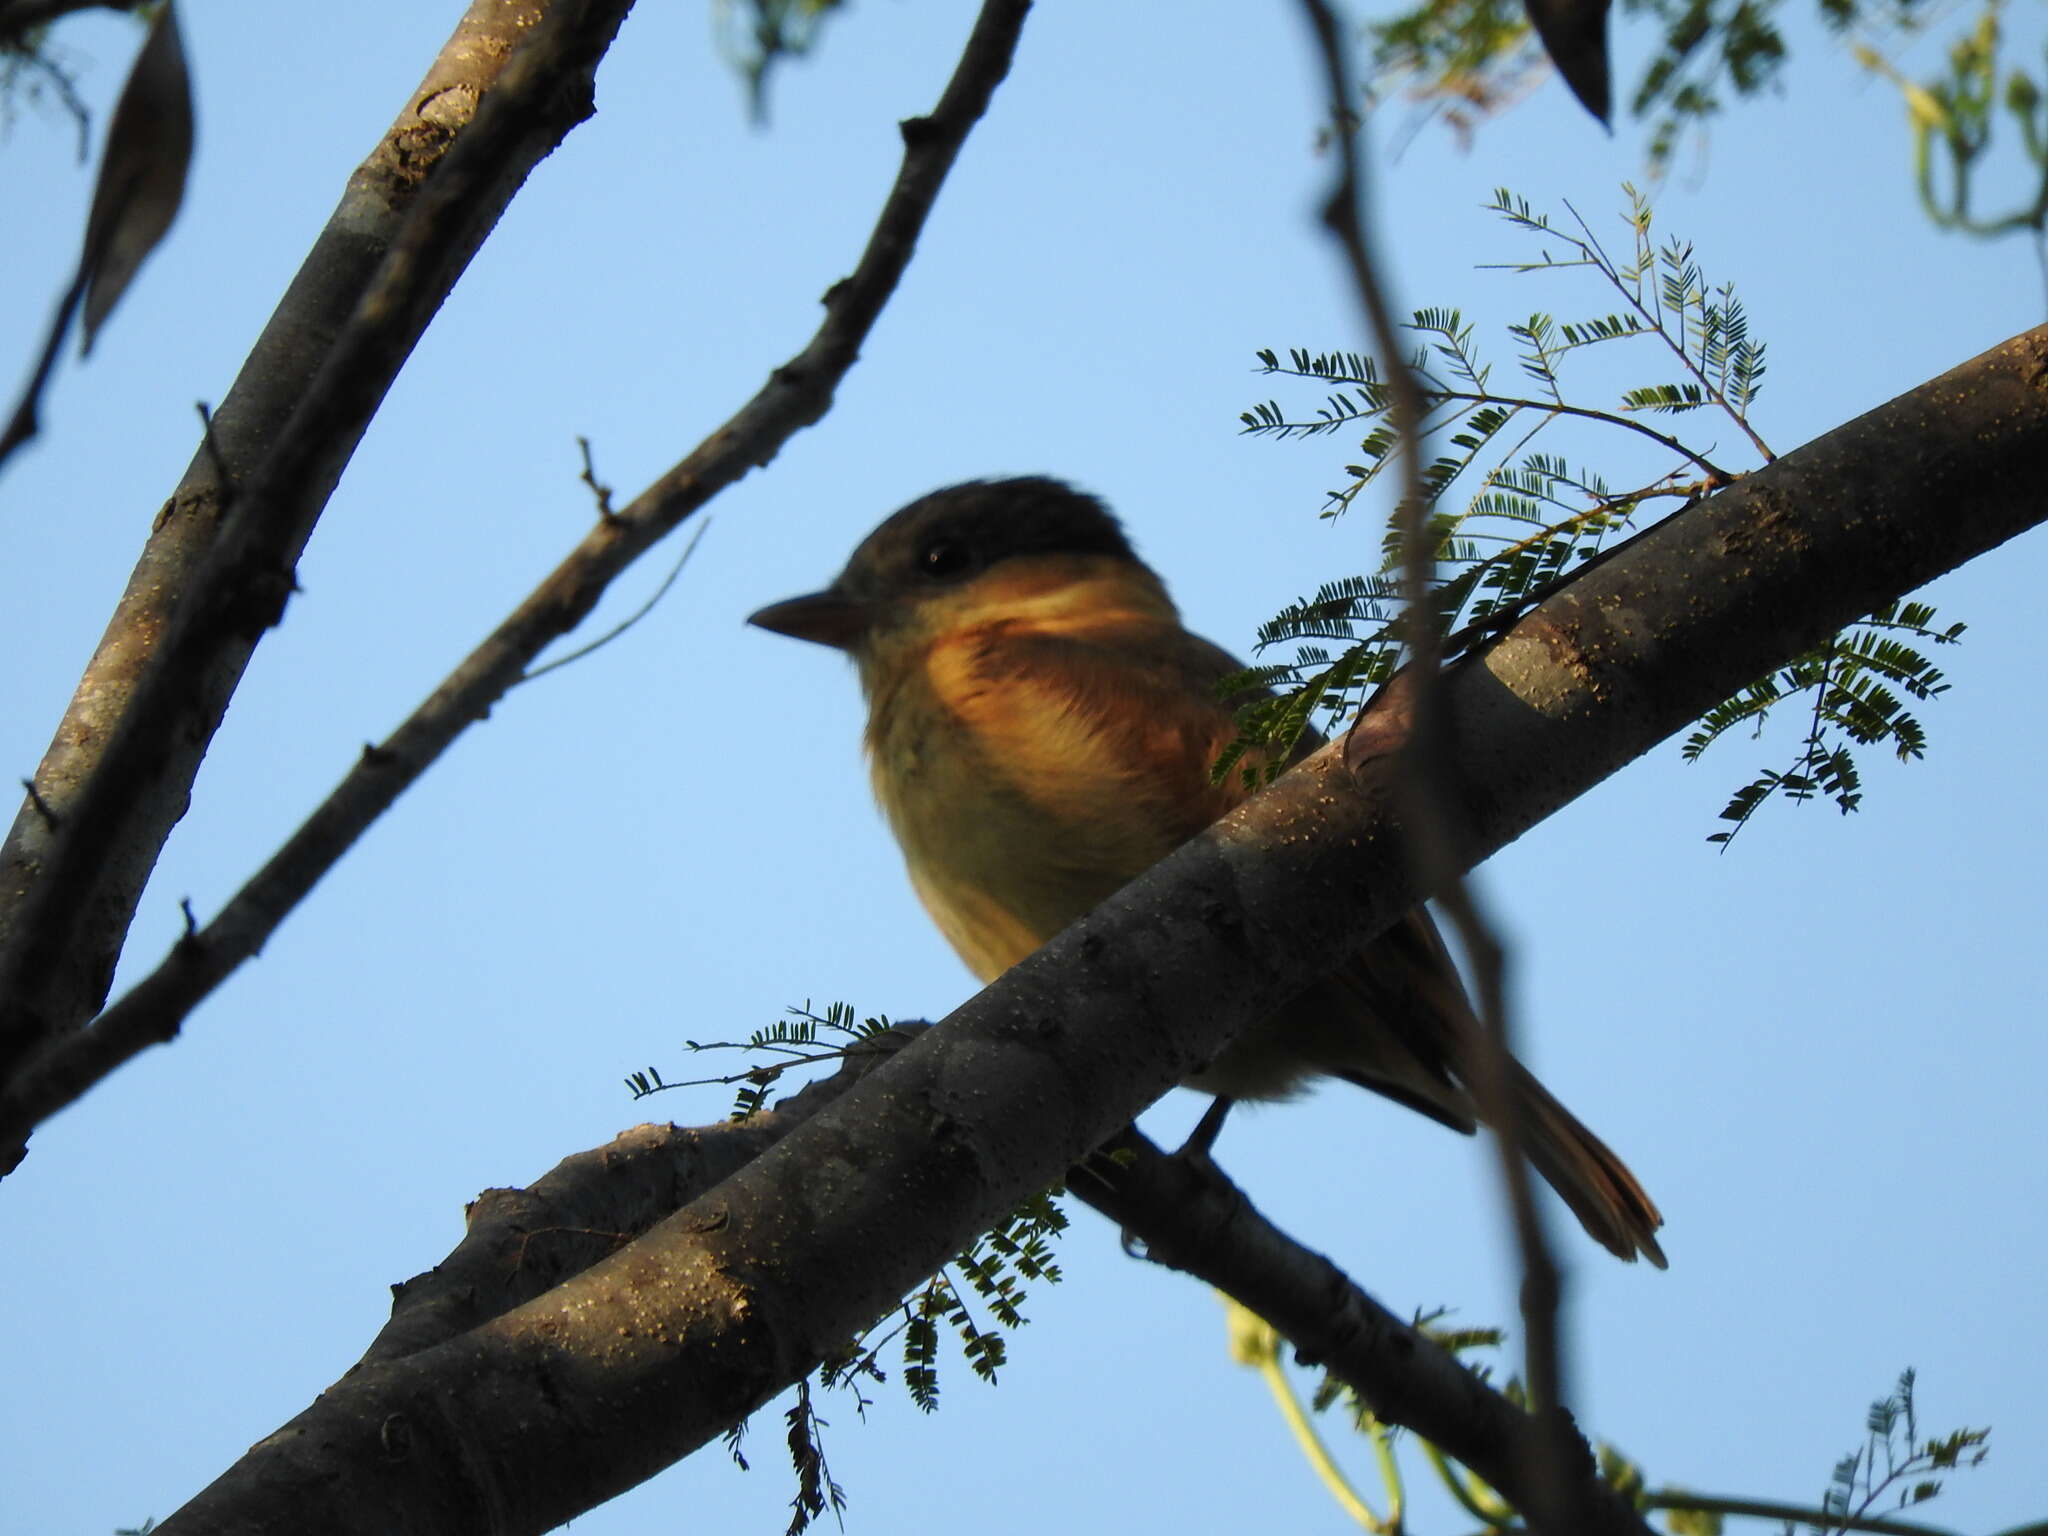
x=829, y=618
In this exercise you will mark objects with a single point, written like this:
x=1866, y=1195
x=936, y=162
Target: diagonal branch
x=217, y=569
x=796, y=394
x=1193, y=1219
x=577, y=1394
x=520, y=1243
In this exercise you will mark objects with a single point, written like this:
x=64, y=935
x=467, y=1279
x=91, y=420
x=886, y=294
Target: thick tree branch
x=218, y=566
x=797, y=394
x=521, y=1242
x=578, y=1394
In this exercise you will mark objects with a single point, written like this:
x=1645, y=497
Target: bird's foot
x=1202, y=1139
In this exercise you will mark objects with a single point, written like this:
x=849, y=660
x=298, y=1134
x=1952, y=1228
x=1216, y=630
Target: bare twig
x=209, y=443
x=600, y=492
x=54, y=75
x=22, y=425
x=618, y=629
x=39, y=804
x=1552, y=1496
x=19, y=17
x=797, y=394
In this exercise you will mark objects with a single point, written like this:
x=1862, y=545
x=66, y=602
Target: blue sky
x=1819, y=1051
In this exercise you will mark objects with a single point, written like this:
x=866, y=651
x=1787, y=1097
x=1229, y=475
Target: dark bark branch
x=520, y=1243
x=218, y=566
x=569, y=1398
x=1193, y=1219
x=797, y=394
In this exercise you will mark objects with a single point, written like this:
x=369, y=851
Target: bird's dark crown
x=956, y=533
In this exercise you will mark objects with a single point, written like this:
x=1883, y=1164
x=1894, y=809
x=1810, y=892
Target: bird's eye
x=943, y=557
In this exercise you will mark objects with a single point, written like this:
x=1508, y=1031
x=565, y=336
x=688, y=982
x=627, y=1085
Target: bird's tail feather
x=1586, y=1174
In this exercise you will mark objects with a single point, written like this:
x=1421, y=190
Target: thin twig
x=602, y=492
x=23, y=425
x=761, y=1075
x=1560, y=1501
x=209, y=442
x=56, y=78
x=1800, y=1514
x=18, y=17
x=797, y=394
x=1607, y=267
x=42, y=806
x=1549, y=408
x=689, y=549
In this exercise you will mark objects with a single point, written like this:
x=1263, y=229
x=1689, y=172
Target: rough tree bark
x=1186, y=1214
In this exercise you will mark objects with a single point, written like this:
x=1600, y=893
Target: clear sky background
x=1821, y=1051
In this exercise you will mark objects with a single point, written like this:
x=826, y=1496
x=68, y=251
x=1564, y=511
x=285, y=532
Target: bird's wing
x=1148, y=698
x=1132, y=709
x=1395, y=1017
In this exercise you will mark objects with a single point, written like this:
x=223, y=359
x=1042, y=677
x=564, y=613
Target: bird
x=1041, y=730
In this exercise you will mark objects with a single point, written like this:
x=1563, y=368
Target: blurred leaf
x=758, y=34
x=1574, y=34
x=141, y=183
x=142, y=173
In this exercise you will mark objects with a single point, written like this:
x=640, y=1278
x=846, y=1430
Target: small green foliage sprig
x=816, y=1490
x=1955, y=121
x=801, y=1038
x=995, y=1267
x=1893, y=1457
x=1470, y=59
x=977, y=1296
x=1508, y=521
x=992, y=1270
x=1846, y=683
x=756, y=35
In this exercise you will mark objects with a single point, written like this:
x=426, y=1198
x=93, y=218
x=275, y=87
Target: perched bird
x=1041, y=731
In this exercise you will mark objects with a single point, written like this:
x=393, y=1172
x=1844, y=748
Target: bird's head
x=1030, y=550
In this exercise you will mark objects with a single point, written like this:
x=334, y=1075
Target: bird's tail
x=1586, y=1174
